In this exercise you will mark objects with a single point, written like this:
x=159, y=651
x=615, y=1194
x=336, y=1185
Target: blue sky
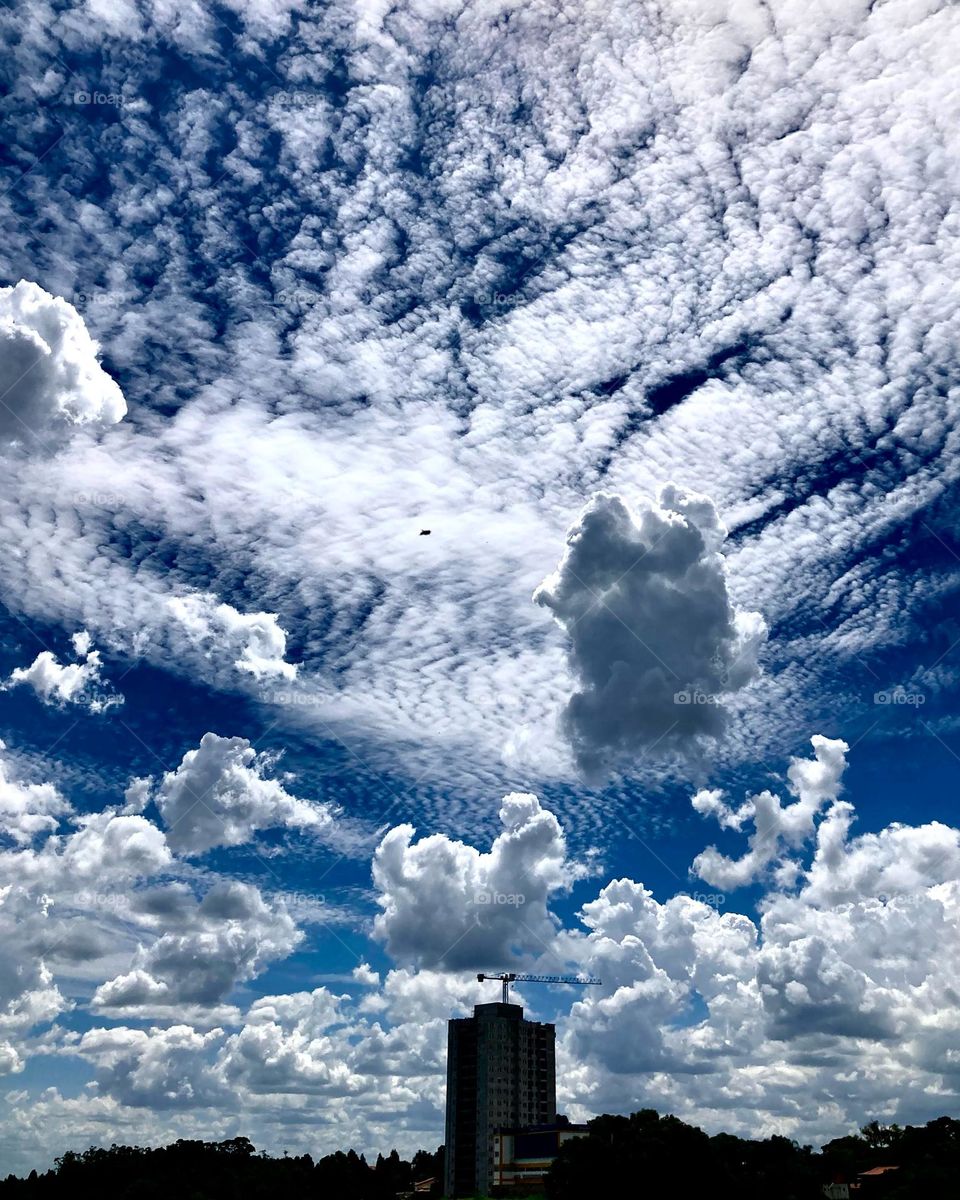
x=649, y=315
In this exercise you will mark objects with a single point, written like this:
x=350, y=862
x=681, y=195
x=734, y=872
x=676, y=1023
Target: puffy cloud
x=216, y=628
x=732, y=1021
x=10, y=1060
x=286, y=1043
x=61, y=897
x=777, y=828
x=445, y=902
x=28, y=809
x=219, y=796
x=29, y=993
x=50, y=378
x=528, y=296
x=655, y=641
x=897, y=861
x=77, y=683
x=205, y=950
x=160, y=1068
x=106, y=847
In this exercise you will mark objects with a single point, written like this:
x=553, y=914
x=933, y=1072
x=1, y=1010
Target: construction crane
x=508, y=977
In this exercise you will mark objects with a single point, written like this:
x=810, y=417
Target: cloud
x=743, y=1024
x=60, y=684
x=778, y=829
x=28, y=810
x=446, y=903
x=50, y=378
x=160, y=1068
x=219, y=629
x=730, y=1020
x=515, y=285
x=219, y=796
x=655, y=641
x=207, y=948
x=574, y=309
x=64, y=896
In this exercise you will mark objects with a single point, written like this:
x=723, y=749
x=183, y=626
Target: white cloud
x=772, y=327
x=10, y=1060
x=571, y=309
x=60, y=684
x=219, y=629
x=49, y=374
x=162, y=1068
x=211, y=946
x=655, y=641
x=28, y=810
x=219, y=796
x=445, y=902
x=729, y=1020
x=778, y=829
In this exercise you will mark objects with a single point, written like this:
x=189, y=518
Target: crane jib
x=507, y=977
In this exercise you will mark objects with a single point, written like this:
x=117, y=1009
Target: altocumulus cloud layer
x=365, y=272
x=301, y=282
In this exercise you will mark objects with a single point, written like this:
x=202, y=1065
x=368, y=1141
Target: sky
x=478, y=491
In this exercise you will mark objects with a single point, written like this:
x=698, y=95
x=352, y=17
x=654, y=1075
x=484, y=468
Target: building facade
x=522, y=1157
x=501, y=1073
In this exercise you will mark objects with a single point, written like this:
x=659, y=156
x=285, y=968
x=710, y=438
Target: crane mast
x=508, y=977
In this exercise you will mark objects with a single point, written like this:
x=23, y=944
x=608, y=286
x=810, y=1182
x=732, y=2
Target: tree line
x=621, y=1155
x=617, y=1157
x=229, y=1170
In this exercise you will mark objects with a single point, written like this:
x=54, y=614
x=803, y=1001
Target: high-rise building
x=501, y=1073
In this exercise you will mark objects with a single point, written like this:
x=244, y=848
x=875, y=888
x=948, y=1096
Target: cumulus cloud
x=727, y=1019
x=205, y=950
x=570, y=307
x=59, y=684
x=778, y=829
x=220, y=796
x=107, y=847
x=286, y=1041
x=49, y=374
x=730, y=1020
x=655, y=641
x=445, y=902
x=160, y=1068
x=219, y=629
x=50, y=882
x=28, y=810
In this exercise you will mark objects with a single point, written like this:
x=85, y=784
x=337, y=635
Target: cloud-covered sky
x=649, y=314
